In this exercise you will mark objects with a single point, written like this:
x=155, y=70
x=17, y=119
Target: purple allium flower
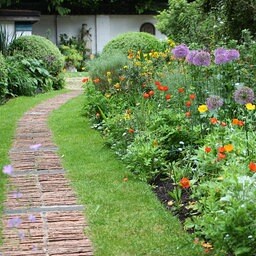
x=32, y=218
x=202, y=58
x=233, y=54
x=244, y=95
x=214, y=102
x=180, y=51
x=190, y=56
x=8, y=169
x=14, y=222
x=223, y=55
x=35, y=146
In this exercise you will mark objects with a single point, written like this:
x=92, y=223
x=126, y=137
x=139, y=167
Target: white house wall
x=103, y=28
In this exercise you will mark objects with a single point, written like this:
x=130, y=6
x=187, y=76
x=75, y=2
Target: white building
x=102, y=28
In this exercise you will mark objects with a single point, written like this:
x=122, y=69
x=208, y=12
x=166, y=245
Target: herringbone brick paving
x=41, y=214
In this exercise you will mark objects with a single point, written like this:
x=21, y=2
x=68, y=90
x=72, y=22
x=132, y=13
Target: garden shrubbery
x=31, y=65
x=42, y=49
x=133, y=41
x=187, y=115
x=3, y=78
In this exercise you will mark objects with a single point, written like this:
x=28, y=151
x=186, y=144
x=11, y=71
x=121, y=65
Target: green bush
x=3, y=78
x=27, y=76
x=39, y=48
x=134, y=41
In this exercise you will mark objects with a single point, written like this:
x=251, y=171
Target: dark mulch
x=162, y=188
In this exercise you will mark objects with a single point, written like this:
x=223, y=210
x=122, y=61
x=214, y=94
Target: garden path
x=41, y=214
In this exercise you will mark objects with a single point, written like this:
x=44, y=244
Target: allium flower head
x=244, y=95
x=180, y=51
x=223, y=55
x=190, y=56
x=202, y=58
x=233, y=54
x=214, y=102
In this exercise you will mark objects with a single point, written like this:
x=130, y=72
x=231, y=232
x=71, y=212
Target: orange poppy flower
x=96, y=80
x=252, y=166
x=188, y=114
x=221, y=156
x=130, y=130
x=146, y=95
x=185, y=182
x=157, y=83
x=192, y=96
x=188, y=104
x=213, y=120
x=85, y=79
x=168, y=96
x=207, y=149
x=181, y=90
x=151, y=93
x=221, y=149
x=228, y=147
x=223, y=124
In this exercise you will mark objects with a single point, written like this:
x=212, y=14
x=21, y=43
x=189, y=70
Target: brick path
x=41, y=214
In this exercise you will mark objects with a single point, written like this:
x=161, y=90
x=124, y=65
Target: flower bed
x=187, y=117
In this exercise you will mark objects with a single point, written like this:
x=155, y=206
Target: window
x=23, y=28
x=148, y=27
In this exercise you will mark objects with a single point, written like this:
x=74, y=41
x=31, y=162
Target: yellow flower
x=228, y=147
x=202, y=108
x=127, y=116
x=117, y=86
x=250, y=106
x=108, y=73
x=107, y=95
x=125, y=67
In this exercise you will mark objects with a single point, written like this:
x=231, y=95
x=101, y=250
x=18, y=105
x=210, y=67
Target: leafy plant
x=3, y=78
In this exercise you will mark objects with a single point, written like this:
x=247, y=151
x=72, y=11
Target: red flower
x=96, y=80
x=151, y=93
x=130, y=130
x=185, y=182
x=188, y=114
x=235, y=121
x=213, y=120
x=168, y=96
x=221, y=149
x=146, y=95
x=162, y=88
x=181, y=90
x=192, y=96
x=207, y=149
x=188, y=104
x=157, y=83
x=221, y=156
x=85, y=79
x=223, y=124
x=252, y=166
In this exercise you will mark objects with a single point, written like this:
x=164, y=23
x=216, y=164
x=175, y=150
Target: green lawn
x=125, y=217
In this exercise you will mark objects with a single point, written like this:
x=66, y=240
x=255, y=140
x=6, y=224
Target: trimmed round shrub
x=134, y=41
x=3, y=78
x=40, y=48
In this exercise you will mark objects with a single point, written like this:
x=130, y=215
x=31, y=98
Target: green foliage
x=186, y=23
x=27, y=76
x=135, y=41
x=106, y=70
x=39, y=48
x=228, y=219
x=74, y=50
x=3, y=78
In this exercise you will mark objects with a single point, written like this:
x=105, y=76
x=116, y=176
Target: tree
x=88, y=6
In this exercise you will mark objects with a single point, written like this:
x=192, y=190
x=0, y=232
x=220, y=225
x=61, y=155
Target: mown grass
x=124, y=216
x=10, y=113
